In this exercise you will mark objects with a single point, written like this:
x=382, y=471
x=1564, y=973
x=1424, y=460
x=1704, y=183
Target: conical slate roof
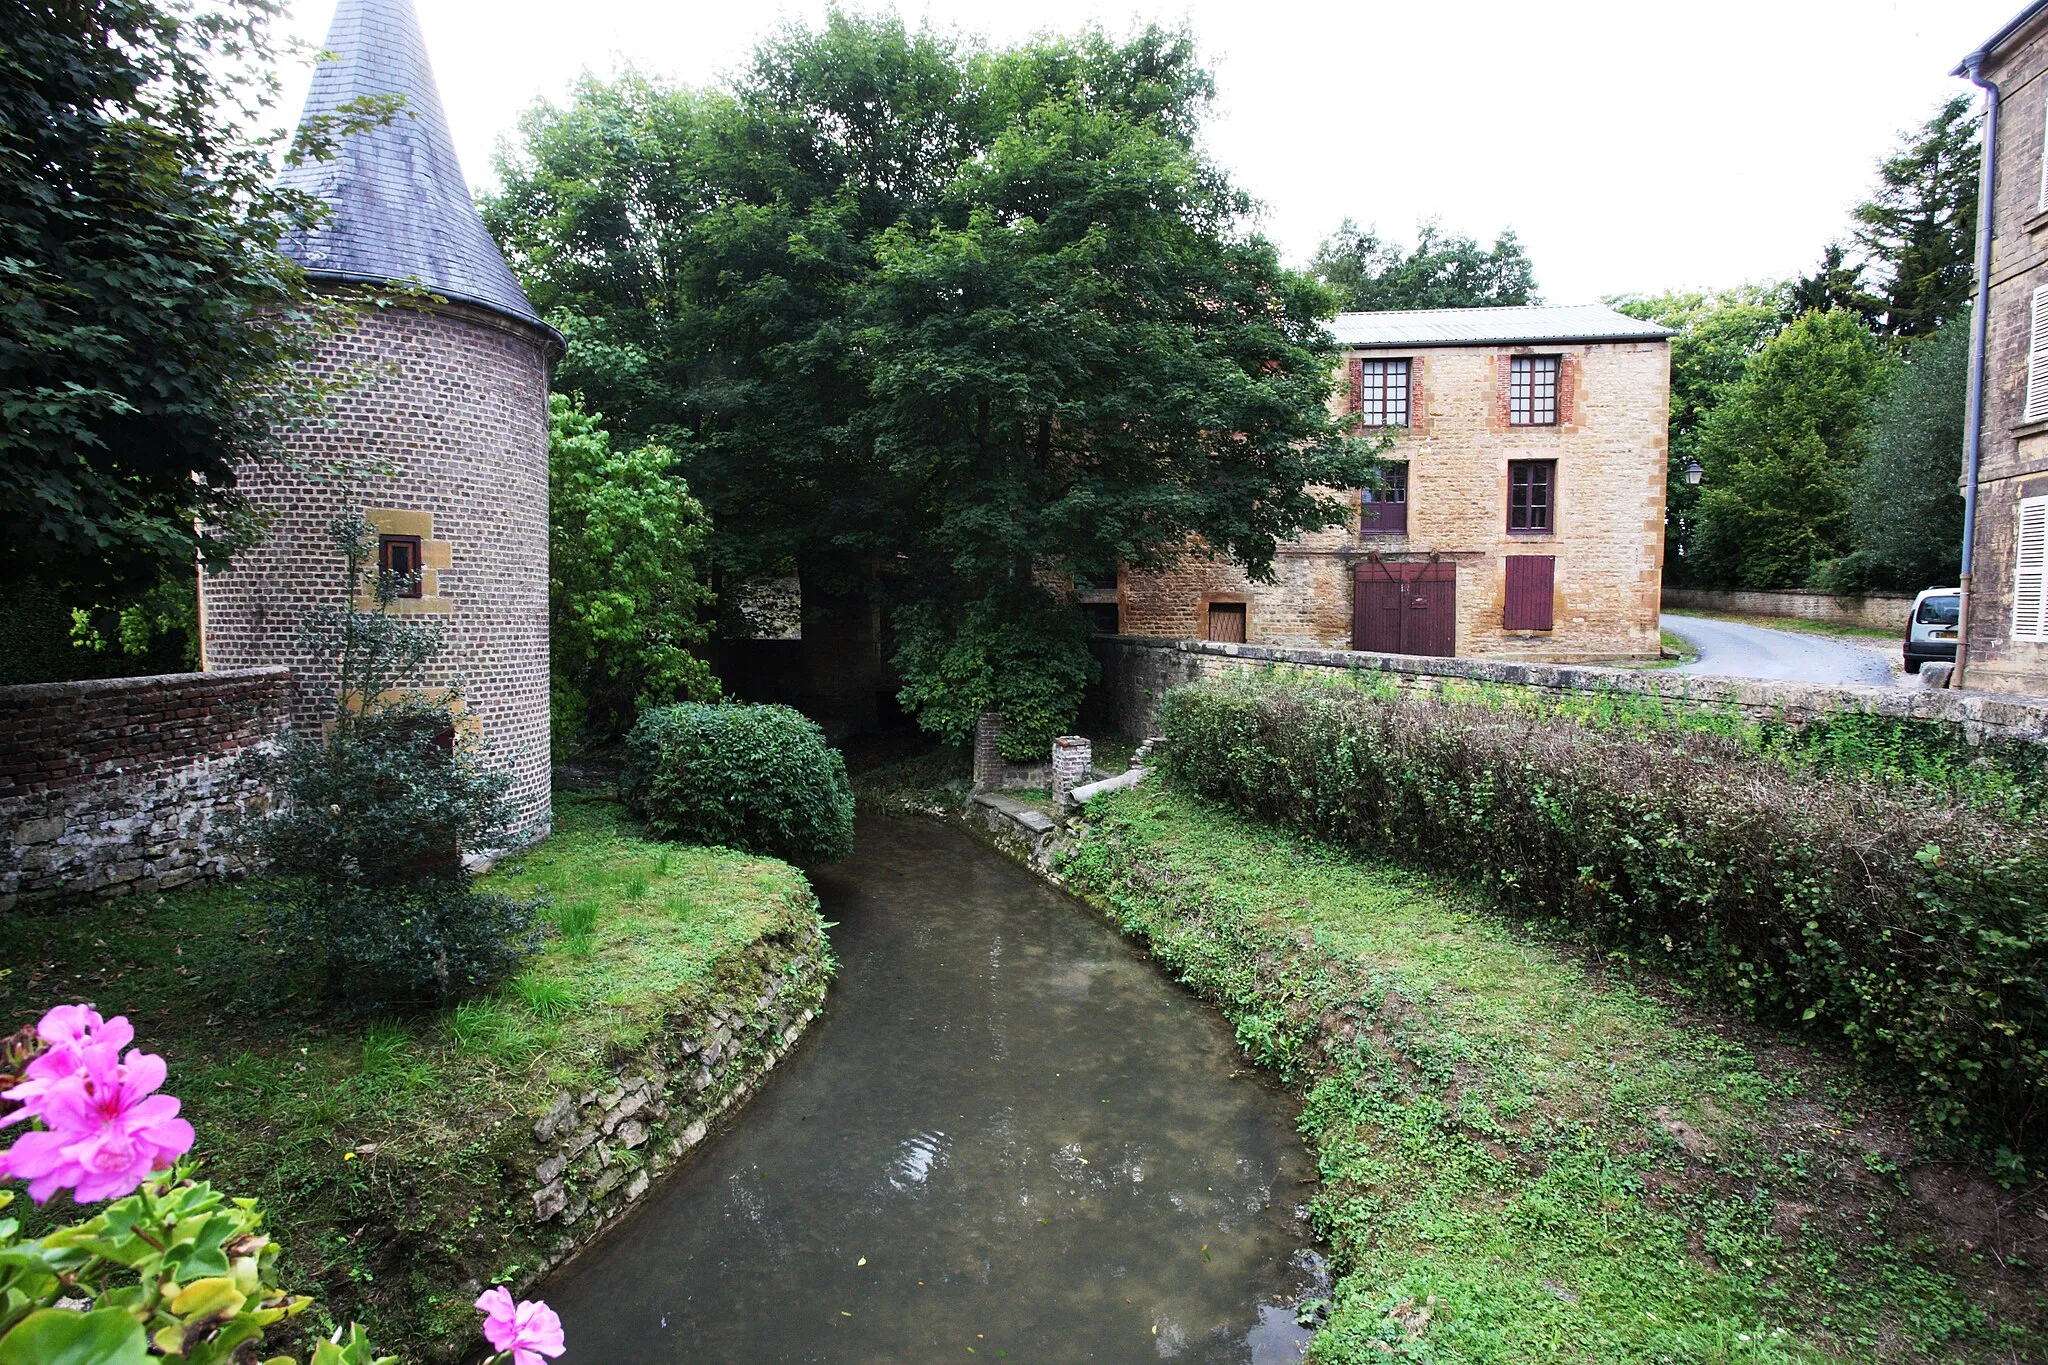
x=400, y=207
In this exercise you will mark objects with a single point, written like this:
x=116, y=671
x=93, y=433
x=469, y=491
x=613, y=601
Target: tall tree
x=1781, y=451
x=1718, y=332
x=150, y=326
x=1442, y=271
x=1920, y=228
x=946, y=324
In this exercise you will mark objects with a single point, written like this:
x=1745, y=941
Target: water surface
x=1007, y=1136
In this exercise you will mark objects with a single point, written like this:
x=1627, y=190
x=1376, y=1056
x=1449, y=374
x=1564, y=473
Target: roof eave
x=1997, y=40
x=1445, y=344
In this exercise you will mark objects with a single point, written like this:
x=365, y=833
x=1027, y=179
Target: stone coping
x=25, y=694
x=2015, y=716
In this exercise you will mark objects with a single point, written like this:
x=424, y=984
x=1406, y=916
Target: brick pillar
x=1073, y=763
x=988, y=759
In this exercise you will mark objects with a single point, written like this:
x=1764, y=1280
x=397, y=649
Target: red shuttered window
x=1531, y=583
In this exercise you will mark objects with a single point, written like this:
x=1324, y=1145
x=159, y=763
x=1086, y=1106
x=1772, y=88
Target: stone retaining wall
x=596, y=1153
x=1877, y=610
x=1137, y=673
x=114, y=785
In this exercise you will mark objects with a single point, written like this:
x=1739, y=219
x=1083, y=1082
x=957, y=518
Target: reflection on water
x=1007, y=1135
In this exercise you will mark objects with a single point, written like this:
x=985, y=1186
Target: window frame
x=2030, y=561
x=1530, y=366
x=416, y=586
x=1240, y=609
x=1550, y=501
x=1386, y=368
x=1367, y=499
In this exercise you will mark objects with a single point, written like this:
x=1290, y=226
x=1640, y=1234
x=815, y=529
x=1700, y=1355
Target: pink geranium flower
x=528, y=1330
x=105, y=1129
x=66, y=1031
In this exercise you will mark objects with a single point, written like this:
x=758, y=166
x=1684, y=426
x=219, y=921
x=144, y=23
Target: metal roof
x=1997, y=40
x=400, y=207
x=1493, y=326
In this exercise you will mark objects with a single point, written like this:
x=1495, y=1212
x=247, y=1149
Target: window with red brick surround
x=1533, y=390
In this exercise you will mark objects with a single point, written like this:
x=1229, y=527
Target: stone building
x=2005, y=555
x=445, y=387
x=1520, y=514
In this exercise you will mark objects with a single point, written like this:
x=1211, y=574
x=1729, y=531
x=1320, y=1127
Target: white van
x=1931, y=632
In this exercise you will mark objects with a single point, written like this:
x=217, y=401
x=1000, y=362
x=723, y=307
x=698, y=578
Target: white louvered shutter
x=2037, y=359
x=2030, y=572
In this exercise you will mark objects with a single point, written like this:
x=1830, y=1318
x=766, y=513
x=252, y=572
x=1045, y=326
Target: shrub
x=365, y=844
x=1913, y=928
x=756, y=778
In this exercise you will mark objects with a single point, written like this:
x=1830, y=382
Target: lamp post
x=1694, y=471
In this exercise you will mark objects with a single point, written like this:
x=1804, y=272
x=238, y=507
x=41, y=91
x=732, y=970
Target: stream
x=1008, y=1136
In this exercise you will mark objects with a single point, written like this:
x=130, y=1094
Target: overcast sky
x=1635, y=145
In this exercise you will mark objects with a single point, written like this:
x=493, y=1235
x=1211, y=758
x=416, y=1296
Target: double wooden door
x=1405, y=608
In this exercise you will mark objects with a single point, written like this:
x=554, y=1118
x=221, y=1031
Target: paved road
x=1736, y=651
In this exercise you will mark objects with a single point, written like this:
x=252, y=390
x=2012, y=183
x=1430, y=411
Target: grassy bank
x=1531, y=1155
x=389, y=1152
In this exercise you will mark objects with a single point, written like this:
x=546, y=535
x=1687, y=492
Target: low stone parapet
x=1137, y=673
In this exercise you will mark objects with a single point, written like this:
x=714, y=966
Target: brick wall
x=1610, y=448
x=126, y=784
x=1138, y=673
x=452, y=401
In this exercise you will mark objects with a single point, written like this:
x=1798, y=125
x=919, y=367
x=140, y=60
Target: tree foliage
x=981, y=318
x=1781, y=451
x=150, y=324
x=1905, y=507
x=1444, y=270
x=624, y=603
x=1718, y=332
x=1917, y=233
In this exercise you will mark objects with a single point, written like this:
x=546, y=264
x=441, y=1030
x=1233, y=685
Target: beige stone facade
x=1605, y=541
x=453, y=401
x=2006, y=647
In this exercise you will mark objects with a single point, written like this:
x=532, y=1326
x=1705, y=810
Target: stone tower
x=450, y=393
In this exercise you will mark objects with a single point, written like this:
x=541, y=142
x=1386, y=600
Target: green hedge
x=1915, y=928
x=756, y=778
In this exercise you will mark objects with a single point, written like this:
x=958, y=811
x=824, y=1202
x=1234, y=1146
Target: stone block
x=637, y=1186
x=632, y=1133
x=38, y=831
x=550, y=1200
x=561, y=1117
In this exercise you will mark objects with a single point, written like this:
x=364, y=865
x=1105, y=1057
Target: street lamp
x=1693, y=471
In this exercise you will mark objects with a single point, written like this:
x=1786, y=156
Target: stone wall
x=119, y=785
x=1876, y=611
x=440, y=427
x=993, y=772
x=1607, y=539
x=598, y=1152
x=1137, y=673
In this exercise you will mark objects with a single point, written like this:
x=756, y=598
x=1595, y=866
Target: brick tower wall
x=454, y=401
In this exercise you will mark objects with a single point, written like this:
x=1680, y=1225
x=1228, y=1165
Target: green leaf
x=60, y=1336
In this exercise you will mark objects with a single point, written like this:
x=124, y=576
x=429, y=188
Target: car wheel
x=1913, y=665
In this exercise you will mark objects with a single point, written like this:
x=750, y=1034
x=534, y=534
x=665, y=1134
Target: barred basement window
x=2030, y=572
x=1532, y=391
x=399, y=557
x=1383, y=393
x=1532, y=496
x=1226, y=622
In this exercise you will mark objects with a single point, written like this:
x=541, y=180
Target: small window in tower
x=398, y=558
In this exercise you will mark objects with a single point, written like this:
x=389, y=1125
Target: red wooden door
x=1405, y=608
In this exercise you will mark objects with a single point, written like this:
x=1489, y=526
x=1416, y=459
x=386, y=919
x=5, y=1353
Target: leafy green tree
x=1442, y=271
x=150, y=325
x=1905, y=507
x=1718, y=332
x=945, y=324
x=1781, y=450
x=624, y=603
